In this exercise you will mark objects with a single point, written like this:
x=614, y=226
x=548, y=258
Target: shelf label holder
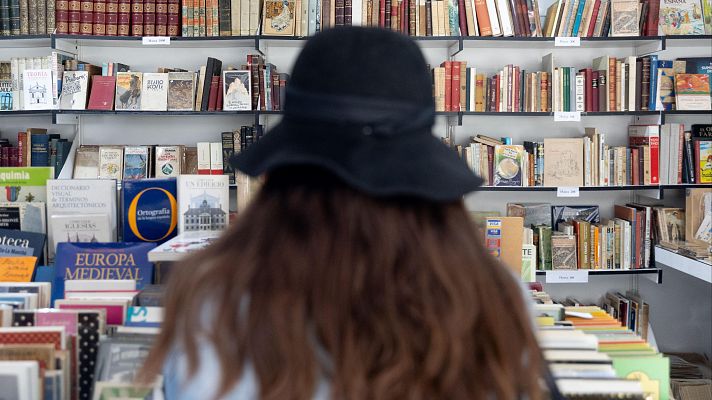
x=567, y=116
x=156, y=40
x=567, y=191
x=566, y=41
x=567, y=276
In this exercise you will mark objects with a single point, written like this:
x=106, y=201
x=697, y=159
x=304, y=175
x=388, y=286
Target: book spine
x=41, y=17
x=228, y=145
x=216, y=17
x=339, y=13
x=100, y=14
x=225, y=19
x=448, y=85
x=124, y=18
x=33, y=11
x=213, y=97
x=653, y=76
x=51, y=20
x=652, y=19
x=86, y=17
x=196, y=22
x=149, y=17
x=483, y=21
x=21, y=149
x=348, y=12
x=137, y=17
x=162, y=10
x=680, y=138
x=25, y=17
x=39, y=150
x=594, y=91
x=13, y=20
x=455, y=86
x=611, y=82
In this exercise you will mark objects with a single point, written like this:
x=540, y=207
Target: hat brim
x=417, y=165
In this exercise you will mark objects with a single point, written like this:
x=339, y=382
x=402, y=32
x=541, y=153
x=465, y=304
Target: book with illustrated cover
x=563, y=251
x=20, y=379
x=653, y=371
x=26, y=184
x=135, y=162
x=154, y=93
x=703, y=161
x=681, y=17
x=24, y=216
x=128, y=91
x=237, y=90
x=508, y=165
x=75, y=86
x=203, y=203
x=565, y=213
x=37, y=89
x=80, y=228
x=86, y=162
x=278, y=17
x=168, y=161
x=692, y=92
x=182, y=245
x=181, y=91
x=528, y=263
x=624, y=18
x=563, y=162
x=111, y=162
x=150, y=210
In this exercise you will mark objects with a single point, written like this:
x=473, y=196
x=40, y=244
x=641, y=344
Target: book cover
x=135, y=162
x=86, y=163
x=653, y=373
x=692, y=92
x=703, y=160
x=154, y=93
x=237, y=90
x=563, y=251
x=37, y=89
x=80, y=228
x=563, y=162
x=503, y=240
x=183, y=244
x=111, y=162
x=54, y=335
x=75, y=86
x=681, y=17
x=508, y=165
x=181, y=91
x=114, y=311
x=128, y=91
x=528, y=273
x=102, y=93
x=15, y=243
x=150, y=210
x=564, y=213
x=25, y=216
x=168, y=161
x=533, y=213
x=278, y=17
x=25, y=184
x=91, y=261
x=203, y=203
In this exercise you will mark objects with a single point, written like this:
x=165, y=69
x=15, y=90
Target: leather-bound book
x=212, y=68
x=225, y=18
x=174, y=18
x=13, y=14
x=214, y=88
x=61, y=16
x=348, y=12
x=137, y=17
x=112, y=17
x=149, y=17
x=219, y=104
x=41, y=17
x=124, y=19
x=51, y=21
x=161, y=17
x=87, y=17
x=75, y=16
x=99, y=27
x=339, y=13
x=24, y=17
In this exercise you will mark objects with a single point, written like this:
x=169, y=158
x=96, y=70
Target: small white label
x=567, y=191
x=156, y=40
x=567, y=41
x=565, y=276
x=567, y=116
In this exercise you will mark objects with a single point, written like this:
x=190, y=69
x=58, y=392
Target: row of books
x=35, y=148
x=656, y=155
x=628, y=84
x=43, y=82
x=27, y=17
x=119, y=17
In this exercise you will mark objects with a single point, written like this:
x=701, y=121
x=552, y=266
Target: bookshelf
x=696, y=268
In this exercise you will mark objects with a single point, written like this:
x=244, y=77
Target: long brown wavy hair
x=398, y=292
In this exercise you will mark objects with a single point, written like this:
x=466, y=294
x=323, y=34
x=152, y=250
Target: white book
x=15, y=78
x=43, y=290
x=154, y=93
x=111, y=162
x=29, y=301
x=494, y=20
x=473, y=88
x=216, y=158
x=182, y=245
x=75, y=86
x=99, y=285
x=21, y=67
x=203, y=158
x=203, y=203
x=168, y=161
x=631, y=82
x=237, y=90
x=505, y=17
x=580, y=97
x=37, y=89
x=80, y=228
x=86, y=163
x=21, y=379
x=664, y=154
x=85, y=196
x=356, y=18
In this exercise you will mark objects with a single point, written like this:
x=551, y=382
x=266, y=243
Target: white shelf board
x=690, y=266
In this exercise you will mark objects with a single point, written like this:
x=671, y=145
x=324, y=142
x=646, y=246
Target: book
x=154, y=92
x=37, y=89
x=533, y=213
x=624, y=18
x=135, y=162
x=86, y=162
x=652, y=371
x=15, y=243
x=237, y=90
x=167, y=161
x=27, y=184
x=703, y=161
x=75, y=86
x=102, y=93
x=563, y=251
x=648, y=135
x=111, y=162
x=182, y=245
x=529, y=260
x=24, y=216
x=278, y=17
x=508, y=161
x=681, y=17
x=181, y=91
x=563, y=213
x=692, y=92
x=128, y=91
x=203, y=203
x=21, y=379
x=503, y=240
x=563, y=162
x=149, y=210
x=80, y=228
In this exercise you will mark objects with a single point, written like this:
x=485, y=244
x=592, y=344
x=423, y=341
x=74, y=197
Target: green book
x=653, y=372
x=566, y=89
x=543, y=233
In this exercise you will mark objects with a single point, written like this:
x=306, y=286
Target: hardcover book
x=568, y=213
x=150, y=210
x=181, y=91
x=111, y=162
x=17, y=243
x=278, y=17
x=203, y=203
x=563, y=251
x=128, y=91
x=37, y=89
x=75, y=85
x=237, y=90
x=154, y=94
x=25, y=184
x=135, y=162
x=114, y=310
x=703, y=160
x=80, y=228
x=91, y=261
x=692, y=92
x=168, y=161
x=508, y=165
x=503, y=240
x=624, y=18
x=681, y=17
x=533, y=213
x=86, y=163
x=563, y=162
x=102, y=93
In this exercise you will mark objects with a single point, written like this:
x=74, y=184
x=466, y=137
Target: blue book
x=39, y=148
x=579, y=15
x=149, y=209
x=92, y=261
x=15, y=243
x=653, y=82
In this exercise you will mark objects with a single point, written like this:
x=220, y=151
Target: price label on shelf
x=566, y=276
x=567, y=41
x=156, y=40
x=567, y=116
x=567, y=191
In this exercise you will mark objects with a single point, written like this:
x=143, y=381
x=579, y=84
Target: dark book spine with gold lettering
x=75, y=16
x=86, y=26
x=51, y=21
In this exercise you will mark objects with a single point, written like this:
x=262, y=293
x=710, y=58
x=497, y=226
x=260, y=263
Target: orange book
x=448, y=84
x=455, y=88
x=480, y=92
x=611, y=84
x=483, y=18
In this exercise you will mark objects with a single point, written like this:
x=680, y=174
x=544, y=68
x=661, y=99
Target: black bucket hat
x=360, y=105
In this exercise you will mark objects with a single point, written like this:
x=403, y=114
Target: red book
x=86, y=17
x=392, y=17
x=213, y=99
x=515, y=88
x=490, y=161
x=21, y=146
x=588, y=91
x=112, y=17
x=382, y=14
x=448, y=84
x=495, y=89
x=149, y=17
x=219, y=105
x=161, y=17
x=509, y=93
x=174, y=18
x=524, y=18
x=61, y=16
x=648, y=135
x=101, y=96
x=33, y=336
x=651, y=28
x=99, y=28
x=594, y=91
x=75, y=17
x=463, y=17
x=124, y=18
x=594, y=15
x=136, y=17
x=455, y=86
x=275, y=91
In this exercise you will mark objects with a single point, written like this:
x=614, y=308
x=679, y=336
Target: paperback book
x=237, y=90
x=154, y=94
x=150, y=210
x=203, y=203
x=128, y=91
x=75, y=86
